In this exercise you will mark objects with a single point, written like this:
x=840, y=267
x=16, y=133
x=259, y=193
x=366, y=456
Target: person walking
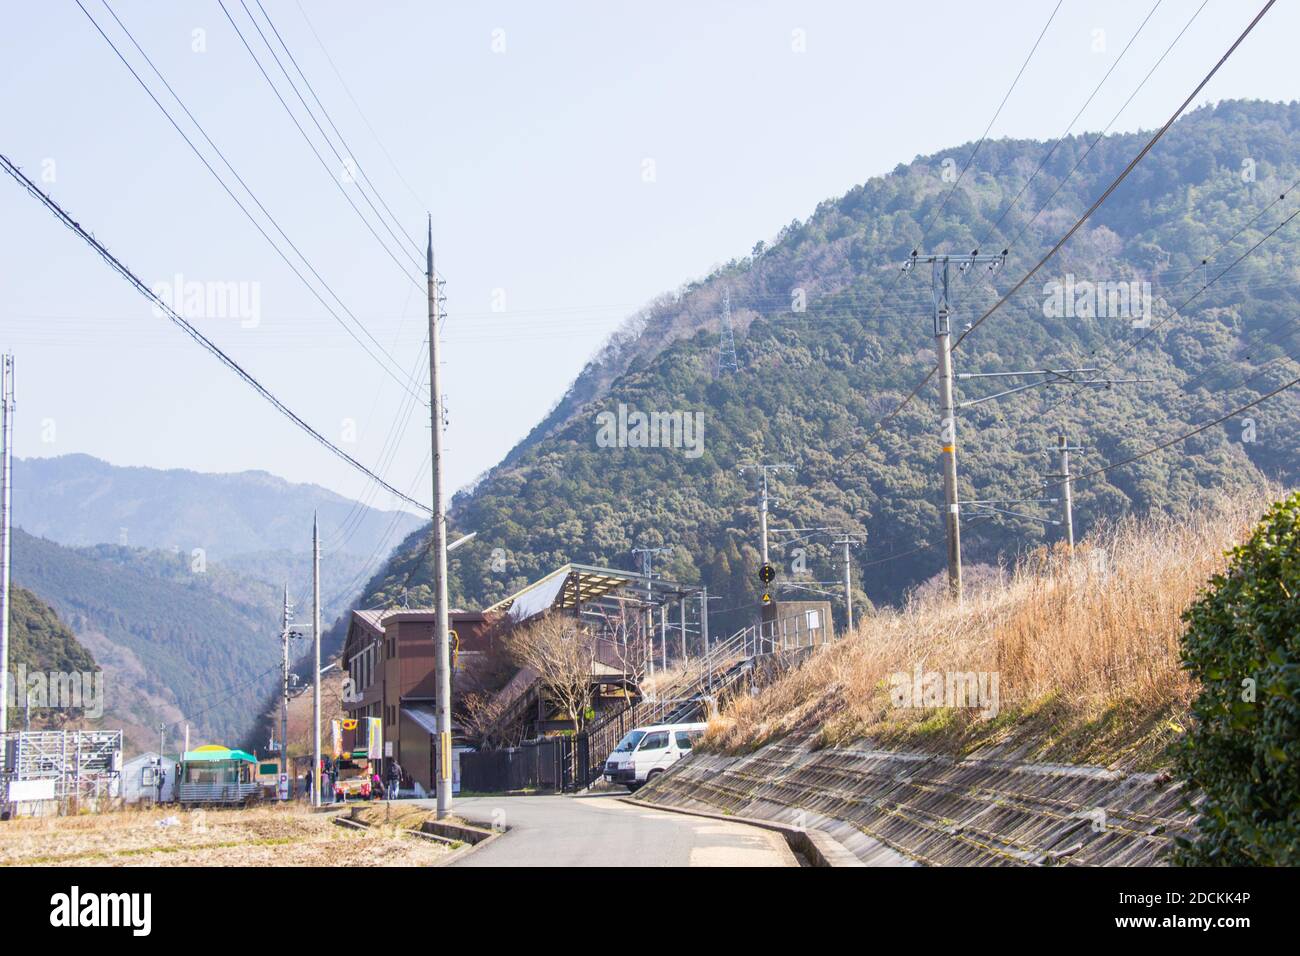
x=394, y=779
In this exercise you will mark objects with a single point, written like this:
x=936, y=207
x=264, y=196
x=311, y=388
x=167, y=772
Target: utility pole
x=939, y=286
x=682, y=608
x=1063, y=449
x=663, y=635
x=704, y=618
x=647, y=571
x=315, y=630
x=286, y=615
x=442, y=637
x=764, y=500
x=6, y=486
x=848, y=540
x=187, y=740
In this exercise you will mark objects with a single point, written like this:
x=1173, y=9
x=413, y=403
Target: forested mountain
x=176, y=643
x=811, y=384
x=251, y=521
x=40, y=642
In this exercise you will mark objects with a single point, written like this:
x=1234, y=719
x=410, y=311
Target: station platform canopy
x=574, y=586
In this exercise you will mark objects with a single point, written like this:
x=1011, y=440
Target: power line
x=351, y=153
x=1120, y=178
x=244, y=209
x=17, y=174
x=312, y=146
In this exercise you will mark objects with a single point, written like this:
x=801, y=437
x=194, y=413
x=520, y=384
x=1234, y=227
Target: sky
x=578, y=159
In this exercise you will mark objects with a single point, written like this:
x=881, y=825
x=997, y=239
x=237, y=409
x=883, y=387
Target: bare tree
x=562, y=652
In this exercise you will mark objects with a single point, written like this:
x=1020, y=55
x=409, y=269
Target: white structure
x=140, y=779
x=48, y=771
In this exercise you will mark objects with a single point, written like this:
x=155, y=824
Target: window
x=629, y=742
x=684, y=740
x=657, y=740
x=814, y=620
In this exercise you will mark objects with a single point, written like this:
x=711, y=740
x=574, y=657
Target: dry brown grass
x=1086, y=652
x=282, y=835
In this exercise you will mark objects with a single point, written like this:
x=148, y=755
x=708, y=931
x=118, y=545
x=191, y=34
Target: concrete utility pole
x=663, y=635
x=315, y=633
x=704, y=618
x=764, y=500
x=286, y=615
x=682, y=608
x=1063, y=449
x=939, y=285
x=6, y=487
x=441, y=633
x=848, y=540
x=647, y=571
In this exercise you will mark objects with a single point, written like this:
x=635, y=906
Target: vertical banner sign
x=336, y=738
x=444, y=750
x=375, y=739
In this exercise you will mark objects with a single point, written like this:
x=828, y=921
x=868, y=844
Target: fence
x=545, y=764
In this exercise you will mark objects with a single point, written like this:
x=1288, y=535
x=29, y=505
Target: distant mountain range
x=174, y=580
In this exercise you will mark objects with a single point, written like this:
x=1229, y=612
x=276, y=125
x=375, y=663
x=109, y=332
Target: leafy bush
x=1243, y=751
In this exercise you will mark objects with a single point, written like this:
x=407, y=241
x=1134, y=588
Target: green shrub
x=1243, y=750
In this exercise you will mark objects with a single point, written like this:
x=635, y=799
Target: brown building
x=389, y=659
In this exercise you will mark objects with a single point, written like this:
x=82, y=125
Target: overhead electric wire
x=244, y=209
x=414, y=252
x=360, y=112
x=329, y=119
x=1159, y=134
x=1060, y=139
x=312, y=146
x=36, y=192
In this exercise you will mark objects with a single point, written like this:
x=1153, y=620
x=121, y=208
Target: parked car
x=647, y=752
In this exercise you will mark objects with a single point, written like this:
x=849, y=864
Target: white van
x=647, y=751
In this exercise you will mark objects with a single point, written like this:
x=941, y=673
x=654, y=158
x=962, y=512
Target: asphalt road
x=601, y=830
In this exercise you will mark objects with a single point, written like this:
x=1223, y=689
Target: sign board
x=31, y=790
x=282, y=788
x=388, y=748
x=374, y=738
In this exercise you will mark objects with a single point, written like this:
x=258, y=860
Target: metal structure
x=764, y=500
x=727, y=361
x=82, y=765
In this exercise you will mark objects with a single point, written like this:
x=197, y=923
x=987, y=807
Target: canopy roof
x=212, y=752
x=571, y=585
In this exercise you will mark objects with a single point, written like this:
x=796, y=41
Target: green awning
x=216, y=753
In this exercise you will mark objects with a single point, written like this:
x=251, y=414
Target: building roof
x=572, y=584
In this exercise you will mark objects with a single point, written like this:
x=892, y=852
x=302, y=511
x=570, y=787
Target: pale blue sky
x=531, y=160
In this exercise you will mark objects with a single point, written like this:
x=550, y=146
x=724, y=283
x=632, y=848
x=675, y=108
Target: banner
x=375, y=739
x=336, y=737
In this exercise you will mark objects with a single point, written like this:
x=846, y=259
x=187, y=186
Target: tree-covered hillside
x=175, y=644
x=40, y=642
x=812, y=384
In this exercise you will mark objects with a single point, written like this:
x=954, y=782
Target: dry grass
x=263, y=836
x=1085, y=650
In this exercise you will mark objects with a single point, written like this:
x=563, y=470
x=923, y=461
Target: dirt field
x=264, y=836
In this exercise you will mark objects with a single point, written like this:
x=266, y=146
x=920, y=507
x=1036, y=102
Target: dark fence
x=545, y=764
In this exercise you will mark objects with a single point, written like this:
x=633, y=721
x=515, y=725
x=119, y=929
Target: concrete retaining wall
x=910, y=808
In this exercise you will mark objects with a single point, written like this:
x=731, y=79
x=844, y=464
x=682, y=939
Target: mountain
x=251, y=522
x=811, y=385
x=39, y=642
x=176, y=644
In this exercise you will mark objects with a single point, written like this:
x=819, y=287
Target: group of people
x=329, y=776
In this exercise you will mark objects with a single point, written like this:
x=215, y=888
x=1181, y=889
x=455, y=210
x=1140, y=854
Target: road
x=599, y=830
